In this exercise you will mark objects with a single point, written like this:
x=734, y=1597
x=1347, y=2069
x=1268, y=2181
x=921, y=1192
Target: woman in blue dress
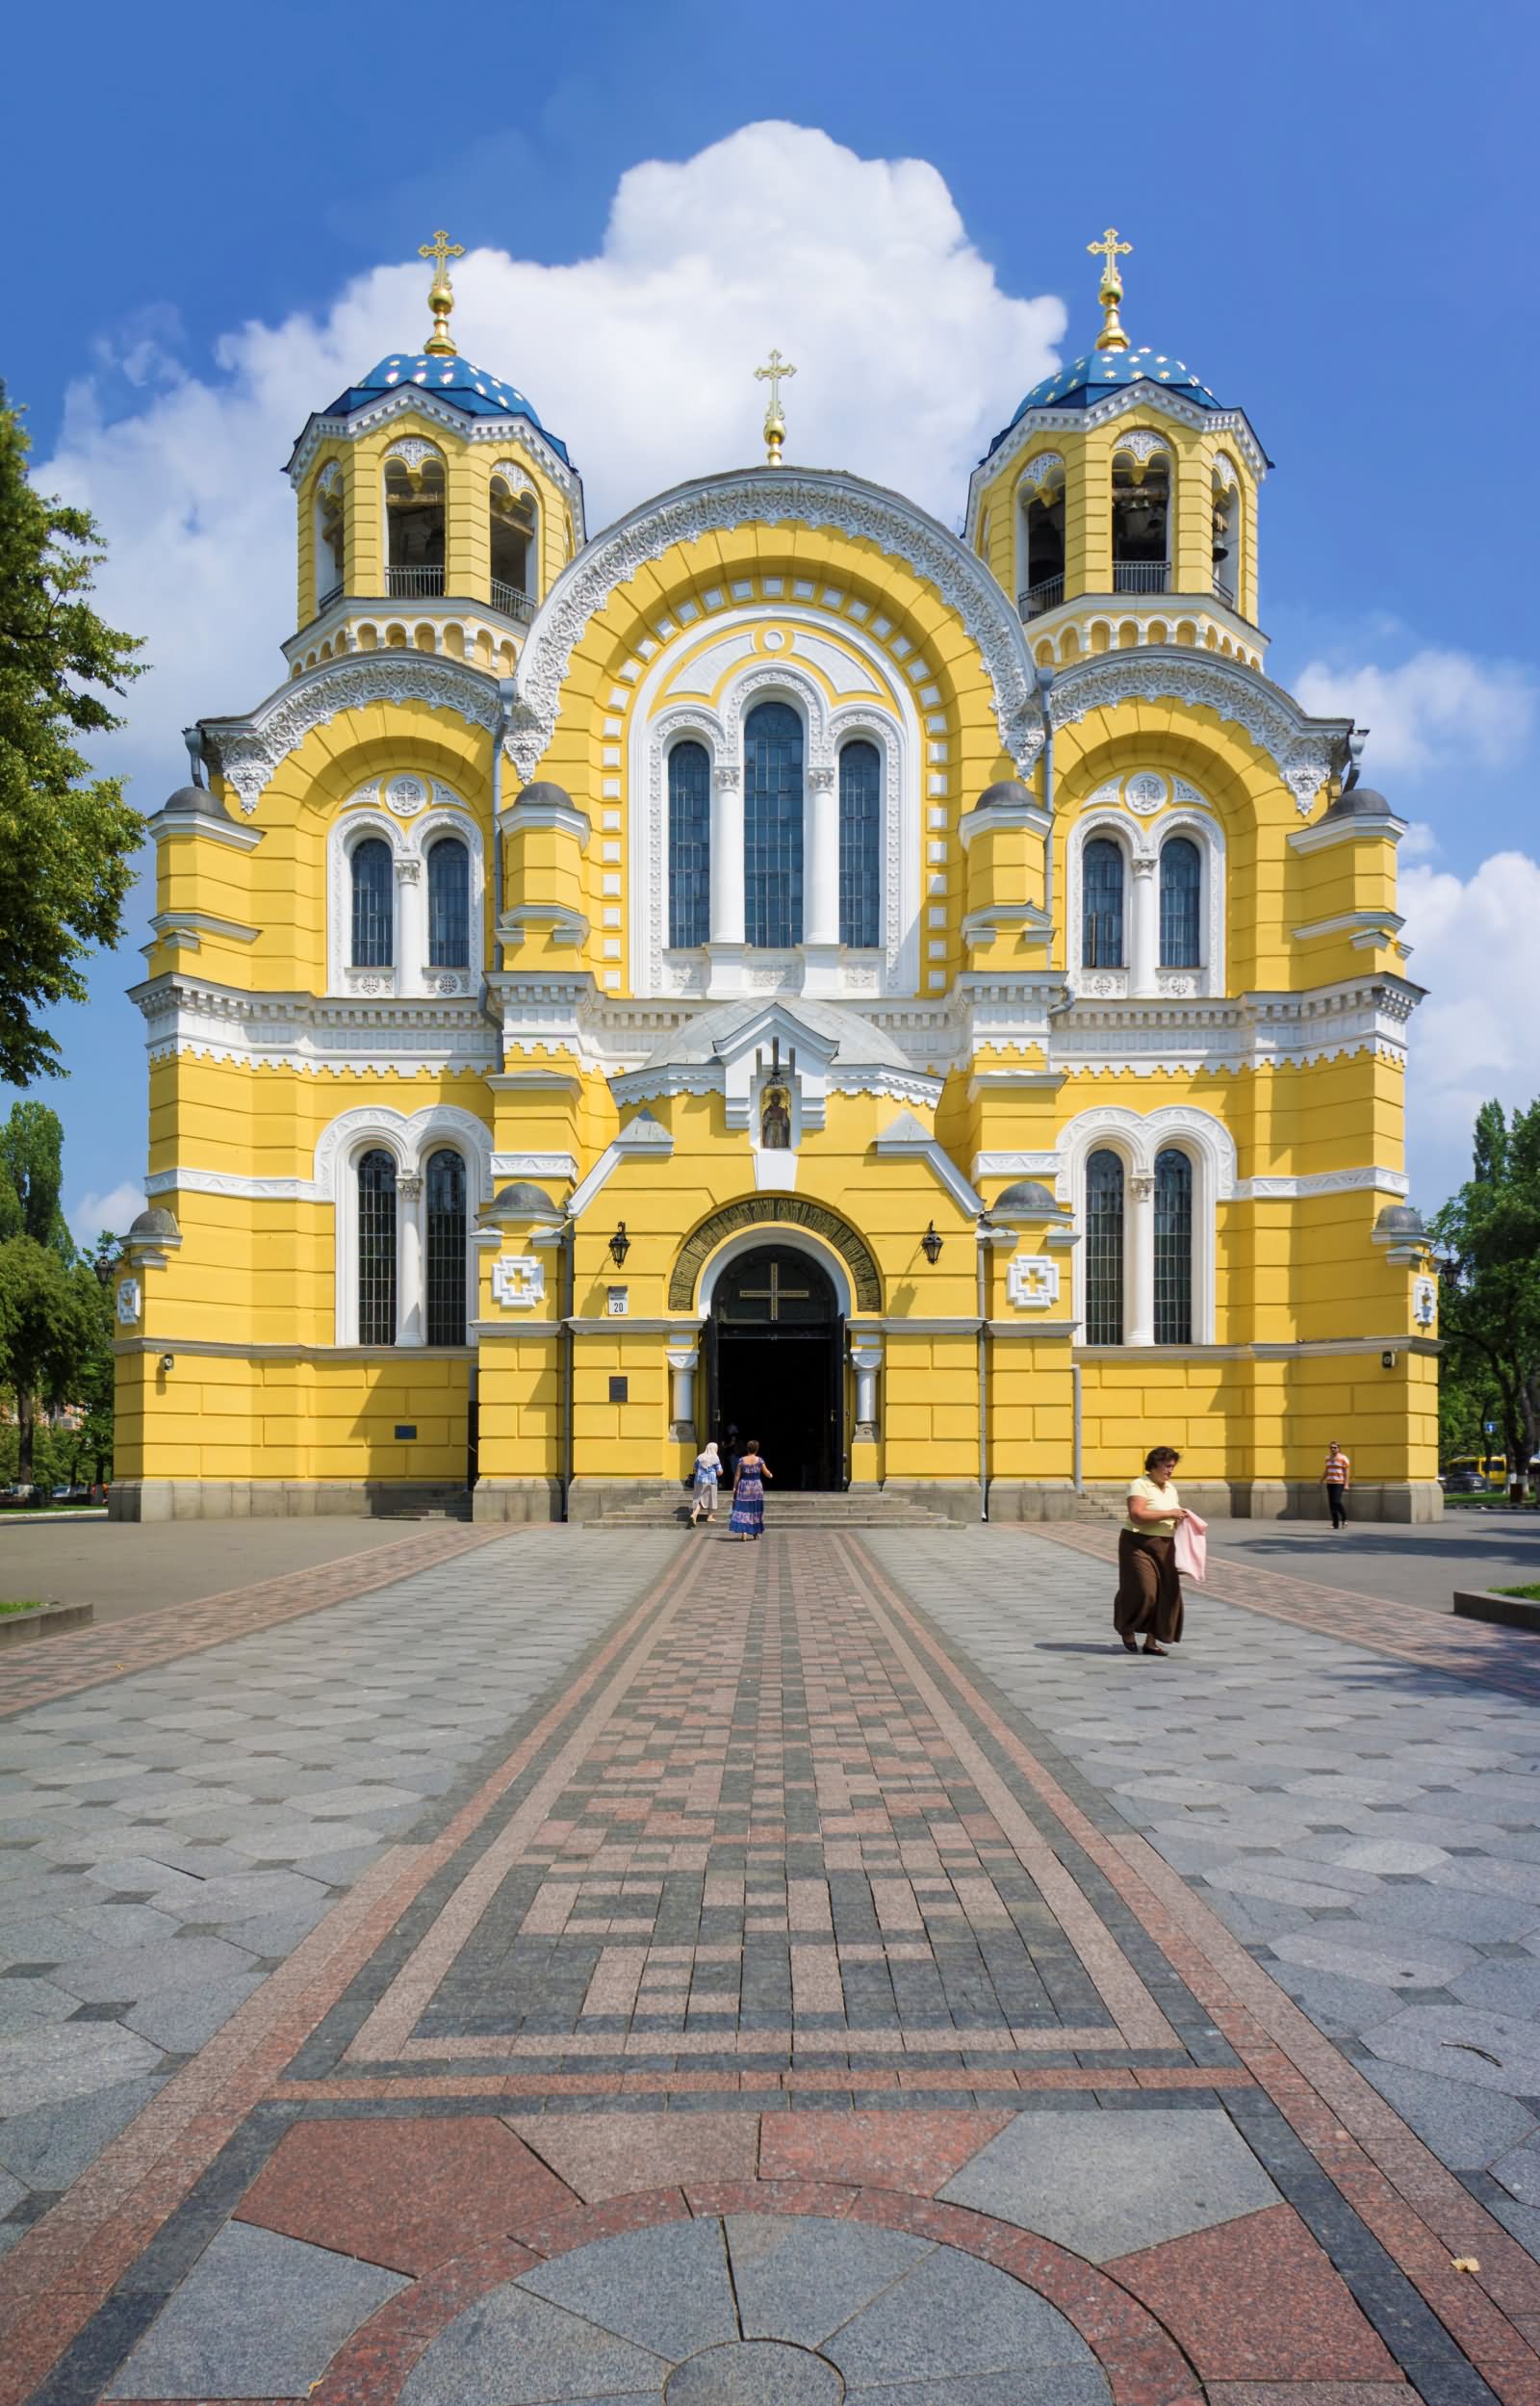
x=748, y=1493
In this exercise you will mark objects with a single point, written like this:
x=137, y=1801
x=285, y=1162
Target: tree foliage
x=31, y=1178
x=1488, y=1237
x=48, y=1320
x=66, y=839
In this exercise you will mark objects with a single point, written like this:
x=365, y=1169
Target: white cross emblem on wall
x=519, y=1281
x=1032, y=1284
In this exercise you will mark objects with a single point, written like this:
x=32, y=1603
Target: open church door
x=838, y=1463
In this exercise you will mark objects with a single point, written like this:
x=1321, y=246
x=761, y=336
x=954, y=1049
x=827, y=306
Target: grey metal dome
x=521, y=1201
x=546, y=791
x=1005, y=790
x=1360, y=802
x=195, y=798
x=1028, y=1199
x=1400, y=1220
x=157, y=1220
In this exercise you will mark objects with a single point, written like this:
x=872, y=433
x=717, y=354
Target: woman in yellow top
x=1149, y=1603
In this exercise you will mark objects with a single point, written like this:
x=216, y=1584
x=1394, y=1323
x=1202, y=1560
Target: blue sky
x=1323, y=202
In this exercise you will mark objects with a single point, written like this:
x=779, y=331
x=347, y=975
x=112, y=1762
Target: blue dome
x=1087, y=381
x=449, y=379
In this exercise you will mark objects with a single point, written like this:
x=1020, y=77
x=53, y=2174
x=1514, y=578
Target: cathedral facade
x=775, y=967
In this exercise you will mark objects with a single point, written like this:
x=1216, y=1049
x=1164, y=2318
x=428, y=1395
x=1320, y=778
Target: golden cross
x=440, y=343
x=1109, y=249
x=774, y=425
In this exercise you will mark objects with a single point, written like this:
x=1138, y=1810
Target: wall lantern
x=168, y=1361
x=620, y=1245
x=931, y=1245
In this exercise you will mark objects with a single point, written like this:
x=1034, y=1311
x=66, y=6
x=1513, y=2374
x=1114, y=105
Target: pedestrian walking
x=1337, y=1478
x=748, y=1493
x=708, y=1478
x=1149, y=1603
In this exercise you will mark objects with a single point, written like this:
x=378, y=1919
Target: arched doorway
x=775, y=1358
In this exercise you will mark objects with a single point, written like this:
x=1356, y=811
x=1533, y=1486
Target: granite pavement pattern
x=167, y=1839
x=1371, y=1831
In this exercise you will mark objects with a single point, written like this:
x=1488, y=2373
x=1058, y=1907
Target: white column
x=1139, y=1260
x=1145, y=935
x=866, y=1361
x=727, y=856
x=409, y=1238
x=820, y=849
x=411, y=927
x=681, y=1373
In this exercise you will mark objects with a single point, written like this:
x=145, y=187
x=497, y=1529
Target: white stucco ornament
x=128, y=1303
x=1424, y=1302
x=519, y=1281
x=1031, y=1282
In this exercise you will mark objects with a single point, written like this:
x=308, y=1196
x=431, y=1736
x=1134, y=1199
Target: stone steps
x=785, y=1513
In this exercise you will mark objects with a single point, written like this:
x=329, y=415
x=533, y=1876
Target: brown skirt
x=1149, y=1603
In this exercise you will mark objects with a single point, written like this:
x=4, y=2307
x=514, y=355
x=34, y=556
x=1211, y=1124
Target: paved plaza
x=495, y=1969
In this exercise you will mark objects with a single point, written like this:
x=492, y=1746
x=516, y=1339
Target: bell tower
x=1119, y=505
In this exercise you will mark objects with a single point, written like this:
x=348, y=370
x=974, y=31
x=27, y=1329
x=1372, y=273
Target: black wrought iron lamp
x=931, y=1245
x=620, y=1245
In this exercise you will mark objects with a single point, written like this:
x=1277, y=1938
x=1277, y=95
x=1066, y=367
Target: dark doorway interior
x=777, y=1367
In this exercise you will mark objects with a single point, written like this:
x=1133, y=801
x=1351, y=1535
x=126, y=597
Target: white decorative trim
x=410, y=844
x=640, y=1136
x=1141, y=444
x=1041, y=1165
x=1382, y=825
x=1043, y=468
x=1146, y=395
x=248, y=751
x=818, y=499
x=519, y=1281
x=905, y=1139
x=1305, y=750
x=515, y=477
x=417, y=400
x=535, y=1165
x=1372, y=1180
x=1032, y=1282
x=1138, y=1137
x=1383, y=926
x=414, y=449
x=797, y=1240
x=190, y=822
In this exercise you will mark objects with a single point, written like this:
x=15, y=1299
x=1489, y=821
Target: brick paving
x=824, y=1969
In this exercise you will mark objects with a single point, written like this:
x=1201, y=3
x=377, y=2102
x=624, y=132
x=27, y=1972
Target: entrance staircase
x=784, y=1513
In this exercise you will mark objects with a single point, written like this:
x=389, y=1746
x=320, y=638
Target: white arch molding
x=1136, y=1137
x=797, y=1240
x=410, y=1140
x=410, y=843
x=1141, y=841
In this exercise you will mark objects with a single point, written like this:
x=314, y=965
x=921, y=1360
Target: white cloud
x=116, y=1210
x=1437, y=708
x=909, y=357
x=1471, y=1039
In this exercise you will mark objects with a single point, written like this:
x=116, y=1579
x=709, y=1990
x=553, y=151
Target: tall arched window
x=414, y=528
x=330, y=545
x=1141, y=502
x=374, y=874
x=1174, y=1249
x=1181, y=899
x=445, y=1262
x=1104, y=1249
x=860, y=845
x=1101, y=918
x=772, y=825
x=515, y=548
x=377, y=1248
x=449, y=904
x=689, y=844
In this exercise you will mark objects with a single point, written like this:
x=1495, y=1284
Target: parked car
x=72, y=1495
x=1461, y=1479
x=15, y=1499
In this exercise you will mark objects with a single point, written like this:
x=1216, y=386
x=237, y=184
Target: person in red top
x=1337, y=1478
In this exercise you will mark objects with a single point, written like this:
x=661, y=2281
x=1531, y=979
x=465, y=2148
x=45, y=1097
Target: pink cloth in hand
x=1191, y=1549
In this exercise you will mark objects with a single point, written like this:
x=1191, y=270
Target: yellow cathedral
x=775, y=969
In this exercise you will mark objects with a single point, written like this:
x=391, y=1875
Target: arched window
x=1181, y=901
x=689, y=844
x=331, y=556
x=1104, y=1249
x=1141, y=501
x=449, y=904
x=1174, y=1249
x=1228, y=529
x=414, y=525
x=444, y=1265
x=1043, y=543
x=1101, y=917
x=515, y=551
x=374, y=904
x=377, y=1248
x=860, y=845
x=772, y=825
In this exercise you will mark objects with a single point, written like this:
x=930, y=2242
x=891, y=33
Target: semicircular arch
x=762, y=1218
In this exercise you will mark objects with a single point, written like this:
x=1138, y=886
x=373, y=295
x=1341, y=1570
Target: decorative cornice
x=1372, y=1180
x=814, y=498
x=217, y=828
x=415, y=401
x=1305, y=750
x=248, y=751
x=313, y=1034
x=1381, y=826
x=1128, y=398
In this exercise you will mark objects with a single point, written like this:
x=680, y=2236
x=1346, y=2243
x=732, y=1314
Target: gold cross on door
x=773, y=1293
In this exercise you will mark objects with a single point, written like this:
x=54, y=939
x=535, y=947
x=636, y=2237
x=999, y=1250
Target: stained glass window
x=1181, y=892
x=376, y=1248
x=1173, y=1248
x=860, y=845
x=445, y=1263
x=374, y=904
x=1101, y=924
x=1104, y=1249
x=689, y=844
x=449, y=904
x=772, y=825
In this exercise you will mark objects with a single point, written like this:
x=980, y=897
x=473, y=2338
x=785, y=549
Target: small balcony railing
x=1225, y=587
x=415, y=584
x=512, y=600
x=1140, y=576
x=330, y=595
x=1046, y=594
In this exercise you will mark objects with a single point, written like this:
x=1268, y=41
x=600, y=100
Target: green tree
x=68, y=839
x=48, y=1321
x=1488, y=1237
x=31, y=1178
x=93, y=1386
